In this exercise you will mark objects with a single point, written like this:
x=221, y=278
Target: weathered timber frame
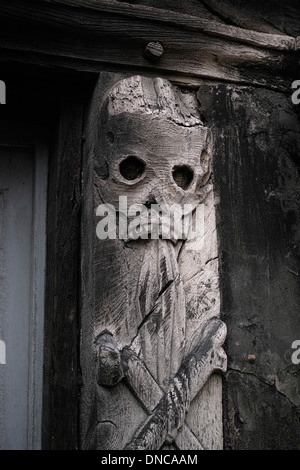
x=89, y=36
x=75, y=39
x=62, y=283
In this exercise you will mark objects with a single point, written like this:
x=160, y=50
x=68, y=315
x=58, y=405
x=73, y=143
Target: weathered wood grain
x=165, y=421
x=135, y=316
x=242, y=16
x=90, y=36
x=141, y=381
x=61, y=306
x=248, y=36
x=88, y=432
x=269, y=17
x=256, y=174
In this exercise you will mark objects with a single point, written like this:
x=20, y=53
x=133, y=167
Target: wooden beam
x=61, y=306
x=90, y=37
x=189, y=22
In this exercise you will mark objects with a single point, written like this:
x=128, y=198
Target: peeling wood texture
x=151, y=335
x=256, y=174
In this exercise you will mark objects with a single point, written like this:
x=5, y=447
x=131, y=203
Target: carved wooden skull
x=153, y=147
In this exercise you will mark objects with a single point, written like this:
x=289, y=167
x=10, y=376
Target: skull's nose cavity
x=132, y=168
x=183, y=176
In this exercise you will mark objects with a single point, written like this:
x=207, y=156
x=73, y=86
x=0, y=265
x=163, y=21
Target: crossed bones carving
x=178, y=142
x=166, y=410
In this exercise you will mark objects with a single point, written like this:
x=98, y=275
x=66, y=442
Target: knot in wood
x=153, y=51
x=251, y=358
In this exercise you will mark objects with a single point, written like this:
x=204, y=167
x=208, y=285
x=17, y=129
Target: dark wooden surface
x=84, y=35
x=257, y=176
x=44, y=100
x=62, y=283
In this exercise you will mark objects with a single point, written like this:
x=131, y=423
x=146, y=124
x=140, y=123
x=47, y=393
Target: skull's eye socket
x=183, y=176
x=132, y=168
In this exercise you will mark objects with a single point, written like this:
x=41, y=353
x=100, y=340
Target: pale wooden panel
x=23, y=183
x=150, y=307
x=16, y=233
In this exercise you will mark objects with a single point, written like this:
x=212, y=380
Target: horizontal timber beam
x=270, y=41
x=87, y=35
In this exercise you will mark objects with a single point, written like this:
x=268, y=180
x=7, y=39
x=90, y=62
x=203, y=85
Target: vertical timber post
x=151, y=334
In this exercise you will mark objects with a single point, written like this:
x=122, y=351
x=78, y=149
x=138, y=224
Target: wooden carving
x=153, y=340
